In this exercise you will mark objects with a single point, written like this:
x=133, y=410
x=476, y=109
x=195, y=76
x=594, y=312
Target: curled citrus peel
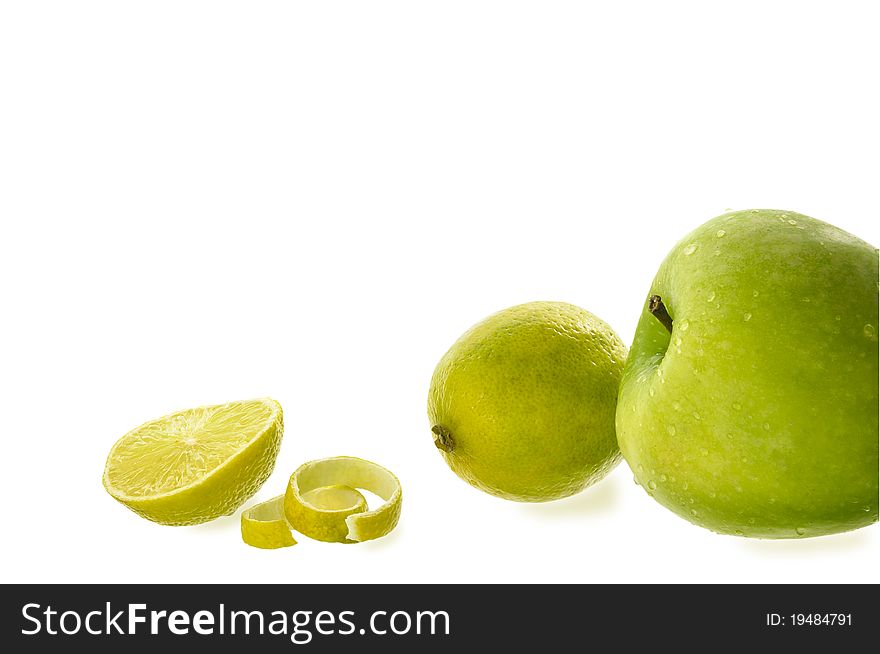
x=322, y=502
x=263, y=525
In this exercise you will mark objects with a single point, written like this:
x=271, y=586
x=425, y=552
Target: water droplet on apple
x=636, y=481
x=837, y=317
x=720, y=233
x=805, y=299
x=737, y=406
x=676, y=406
x=671, y=430
x=690, y=249
x=685, y=485
x=738, y=532
x=683, y=325
x=792, y=222
x=717, y=252
x=641, y=468
x=747, y=316
x=696, y=415
x=662, y=478
x=766, y=426
x=678, y=341
x=800, y=531
x=755, y=294
x=745, y=459
x=651, y=391
x=772, y=500
x=870, y=332
x=712, y=494
x=711, y=296
x=695, y=513
x=652, y=485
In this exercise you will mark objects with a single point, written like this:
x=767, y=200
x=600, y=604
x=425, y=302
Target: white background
x=208, y=201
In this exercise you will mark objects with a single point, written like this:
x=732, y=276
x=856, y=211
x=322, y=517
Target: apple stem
x=442, y=438
x=657, y=309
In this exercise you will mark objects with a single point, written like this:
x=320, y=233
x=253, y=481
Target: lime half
x=196, y=465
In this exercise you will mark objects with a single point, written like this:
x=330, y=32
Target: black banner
x=430, y=618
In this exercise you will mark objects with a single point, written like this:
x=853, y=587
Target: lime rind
x=264, y=525
x=348, y=524
x=338, y=497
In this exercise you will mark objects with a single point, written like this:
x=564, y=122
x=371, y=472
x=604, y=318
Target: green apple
x=748, y=403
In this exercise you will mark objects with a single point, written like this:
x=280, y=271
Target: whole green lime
x=522, y=405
